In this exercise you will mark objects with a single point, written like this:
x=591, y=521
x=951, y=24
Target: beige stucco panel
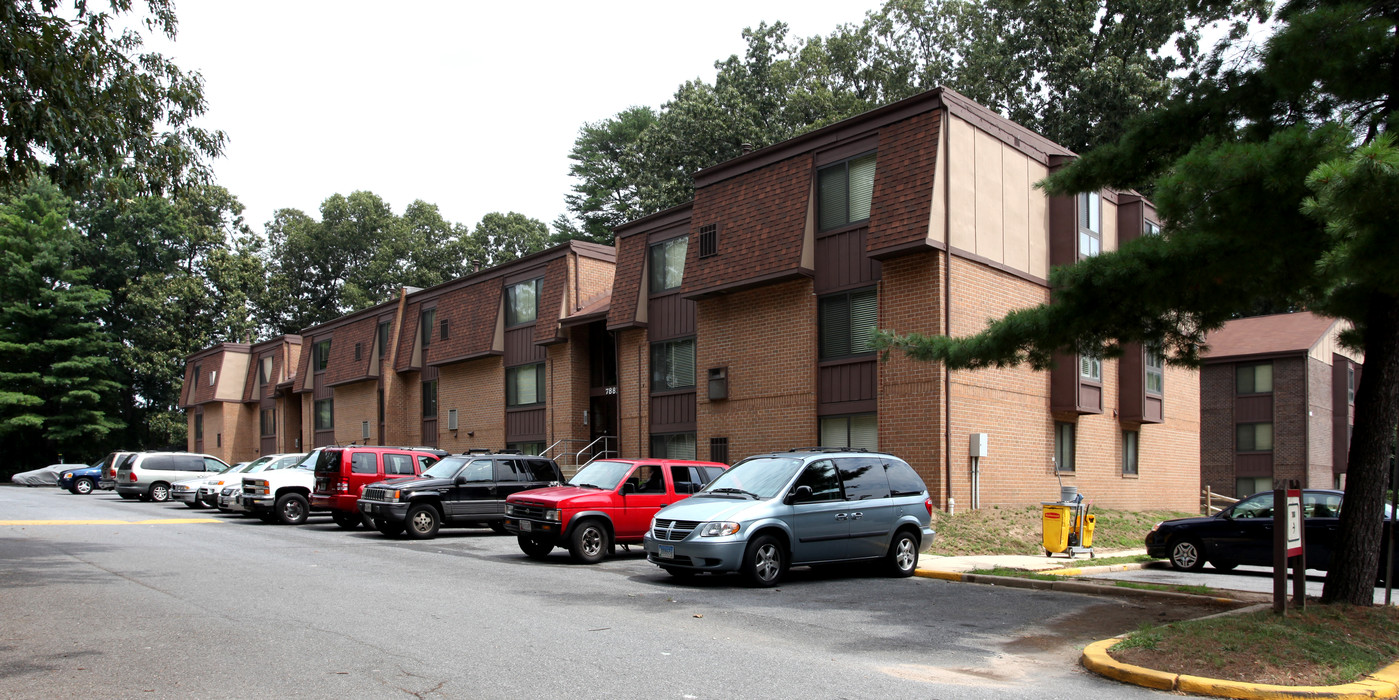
x=1331, y=343
x=990, y=241
x=937, y=220
x=808, y=261
x=232, y=376
x=1037, y=216
x=1016, y=192
x=961, y=174
x=1109, y=226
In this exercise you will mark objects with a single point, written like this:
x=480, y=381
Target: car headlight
x=67, y=475
x=718, y=529
x=510, y=509
x=1154, y=528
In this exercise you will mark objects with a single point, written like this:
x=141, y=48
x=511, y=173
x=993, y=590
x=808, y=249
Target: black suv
x=466, y=490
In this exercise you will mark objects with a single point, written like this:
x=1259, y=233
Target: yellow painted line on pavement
x=163, y=521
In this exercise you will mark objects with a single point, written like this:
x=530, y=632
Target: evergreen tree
x=55, y=359
x=1276, y=183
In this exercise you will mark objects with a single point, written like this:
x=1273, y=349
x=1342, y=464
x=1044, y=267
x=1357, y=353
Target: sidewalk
x=1381, y=684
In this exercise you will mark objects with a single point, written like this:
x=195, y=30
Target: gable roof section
x=1278, y=334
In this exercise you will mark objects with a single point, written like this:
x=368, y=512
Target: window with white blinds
x=667, y=264
x=673, y=446
x=524, y=386
x=522, y=302
x=848, y=322
x=1090, y=224
x=860, y=431
x=1155, y=372
x=844, y=191
x=1090, y=367
x=673, y=364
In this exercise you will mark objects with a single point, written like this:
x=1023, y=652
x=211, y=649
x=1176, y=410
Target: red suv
x=342, y=472
x=608, y=502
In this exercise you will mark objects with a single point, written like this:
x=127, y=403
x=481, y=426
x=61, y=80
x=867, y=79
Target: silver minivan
x=148, y=475
x=812, y=506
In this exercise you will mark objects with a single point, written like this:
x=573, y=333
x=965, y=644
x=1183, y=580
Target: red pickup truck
x=608, y=502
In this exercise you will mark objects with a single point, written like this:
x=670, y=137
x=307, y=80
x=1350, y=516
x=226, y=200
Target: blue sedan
x=81, y=480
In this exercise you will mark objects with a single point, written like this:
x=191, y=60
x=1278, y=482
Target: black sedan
x=1243, y=533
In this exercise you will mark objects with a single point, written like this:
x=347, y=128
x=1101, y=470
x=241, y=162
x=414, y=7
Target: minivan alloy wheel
x=764, y=563
x=160, y=492
x=903, y=555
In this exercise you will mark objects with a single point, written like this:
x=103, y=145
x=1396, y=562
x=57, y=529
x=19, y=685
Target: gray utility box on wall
x=979, y=442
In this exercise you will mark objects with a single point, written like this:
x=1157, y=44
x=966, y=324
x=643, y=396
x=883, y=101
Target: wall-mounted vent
x=364, y=429
x=451, y=419
x=708, y=240
x=358, y=351
x=718, y=383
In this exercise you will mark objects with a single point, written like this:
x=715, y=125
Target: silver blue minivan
x=811, y=506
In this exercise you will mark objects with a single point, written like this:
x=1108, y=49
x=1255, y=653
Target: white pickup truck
x=281, y=495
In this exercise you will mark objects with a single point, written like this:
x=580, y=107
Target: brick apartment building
x=743, y=318
x=469, y=363
x=740, y=323
x=1277, y=402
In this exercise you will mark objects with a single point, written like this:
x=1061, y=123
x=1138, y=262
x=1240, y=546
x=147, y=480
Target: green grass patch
x=1018, y=573
x=1019, y=530
x=1192, y=590
x=1324, y=645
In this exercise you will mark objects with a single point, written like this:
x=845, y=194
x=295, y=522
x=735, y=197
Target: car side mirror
x=461, y=479
x=797, y=494
x=628, y=487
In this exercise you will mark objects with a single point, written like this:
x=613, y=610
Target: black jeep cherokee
x=466, y=490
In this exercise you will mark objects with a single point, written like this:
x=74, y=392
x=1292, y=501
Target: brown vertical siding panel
x=525, y=426
x=520, y=348
x=1253, y=409
x=1253, y=464
x=842, y=263
x=671, y=316
x=673, y=413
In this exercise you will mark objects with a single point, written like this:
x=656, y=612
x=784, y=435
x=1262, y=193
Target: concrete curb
x=1070, y=586
x=1383, y=683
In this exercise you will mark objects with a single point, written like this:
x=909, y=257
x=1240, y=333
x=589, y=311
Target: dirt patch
x=1108, y=619
x=1326, y=645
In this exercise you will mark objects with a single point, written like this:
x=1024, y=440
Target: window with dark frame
x=359, y=351
x=325, y=414
x=1064, y=446
x=383, y=339
x=1090, y=224
x=524, y=385
x=1151, y=228
x=265, y=371
x=442, y=335
x=1253, y=437
x=857, y=431
x=672, y=364
x=267, y=420
x=1131, y=441
x=673, y=446
x=847, y=323
x=709, y=240
x=430, y=399
x=666, y=267
x=322, y=355
x=1254, y=379
x=522, y=302
x=197, y=374
x=1155, y=372
x=844, y=191
x=425, y=323
x=198, y=426
x=1090, y=367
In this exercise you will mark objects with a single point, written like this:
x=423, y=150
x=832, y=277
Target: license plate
x=526, y=526
x=667, y=551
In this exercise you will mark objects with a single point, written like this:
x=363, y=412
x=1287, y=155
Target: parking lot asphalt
x=109, y=598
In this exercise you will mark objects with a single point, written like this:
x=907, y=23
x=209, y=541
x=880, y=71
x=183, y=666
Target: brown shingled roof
x=1260, y=335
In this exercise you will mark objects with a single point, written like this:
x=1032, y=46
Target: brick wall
x=911, y=402
x=767, y=339
x=477, y=390
x=355, y=403
x=568, y=391
x=1217, y=428
x=633, y=387
x=1290, y=419
x=594, y=278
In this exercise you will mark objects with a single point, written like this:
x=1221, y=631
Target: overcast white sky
x=472, y=106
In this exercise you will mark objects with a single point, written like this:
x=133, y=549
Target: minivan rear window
x=903, y=481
